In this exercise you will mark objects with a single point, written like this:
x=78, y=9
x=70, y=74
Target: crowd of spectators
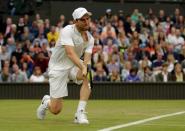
x=132, y=47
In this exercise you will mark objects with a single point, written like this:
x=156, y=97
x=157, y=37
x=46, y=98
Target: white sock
x=81, y=105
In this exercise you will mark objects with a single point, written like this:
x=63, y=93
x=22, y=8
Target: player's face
x=83, y=23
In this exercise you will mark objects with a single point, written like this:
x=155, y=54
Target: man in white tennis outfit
x=65, y=64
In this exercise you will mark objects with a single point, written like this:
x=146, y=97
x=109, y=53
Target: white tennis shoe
x=81, y=117
x=41, y=110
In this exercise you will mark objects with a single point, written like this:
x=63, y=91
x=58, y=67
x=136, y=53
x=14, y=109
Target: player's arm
x=87, y=58
x=88, y=52
x=74, y=58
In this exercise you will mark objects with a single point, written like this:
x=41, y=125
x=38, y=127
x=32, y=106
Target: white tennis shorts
x=58, y=81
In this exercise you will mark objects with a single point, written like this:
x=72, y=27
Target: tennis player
x=65, y=64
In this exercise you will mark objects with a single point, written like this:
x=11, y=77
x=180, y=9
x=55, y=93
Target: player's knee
x=56, y=109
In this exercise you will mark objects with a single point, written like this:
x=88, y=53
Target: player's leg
x=58, y=90
x=55, y=105
x=76, y=76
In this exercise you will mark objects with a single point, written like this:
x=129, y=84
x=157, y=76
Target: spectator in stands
x=178, y=75
x=100, y=57
x=24, y=69
x=99, y=74
x=35, y=48
x=167, y=25
x=123, y=41
x=125, y=71
x=13, y=33
x=113, y=64
x=121, y=15
x=5, y=75
x=26, y=35
x=11, y=45
x=136, y=50
x=27, y=21
x=180, y=23
x=148, y=75
x=108, y=14
x=4, y=55
x=115, y=76
x=18, y=75
x=143, y=37
x=108, y=33
x=176, y=15
x=27, y=45
x=115, y=53
x=170, y=50
x=47, y=26
x=108, y=48
x=176, y=39
x=27, y=58
x=141, y=71
x=146, y=59
x=97, y=40
x=6, y=63
x=134, y=27
x=42, y=61
x=53, y=34
x=179, y=41
x=40, y=39
x=150, y=48
x=150, y=14
x=45, y=50
x=13, y=61
x=135, y=16
x=129, y=56
x=162, y=16
x=37, y=75
x=18, y=52
x=63, y=21
x=119, y=27
x=161, y=38
x=171, y=62
x=171, y=38
x=7, y=26
x=133, y=77
x=34, y=29
x=157, y=64
x=20, y=26
x=51, y=46
x=37, y=17
x=164, y=75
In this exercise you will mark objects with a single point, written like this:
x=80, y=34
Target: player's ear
x=74, y=21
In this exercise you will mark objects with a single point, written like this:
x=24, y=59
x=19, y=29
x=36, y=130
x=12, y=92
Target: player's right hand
x=84, y=70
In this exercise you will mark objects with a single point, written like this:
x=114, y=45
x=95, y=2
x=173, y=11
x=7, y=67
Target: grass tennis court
x=19, y=115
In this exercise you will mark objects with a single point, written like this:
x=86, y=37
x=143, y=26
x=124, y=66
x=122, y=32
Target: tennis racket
x=90, y=75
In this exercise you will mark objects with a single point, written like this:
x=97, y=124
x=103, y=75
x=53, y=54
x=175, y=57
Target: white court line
x=141, y=121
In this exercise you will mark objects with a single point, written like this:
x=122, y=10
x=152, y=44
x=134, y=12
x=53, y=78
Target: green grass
x=20, y=115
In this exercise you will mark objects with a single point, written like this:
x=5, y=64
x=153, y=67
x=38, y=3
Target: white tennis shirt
x=69, y=35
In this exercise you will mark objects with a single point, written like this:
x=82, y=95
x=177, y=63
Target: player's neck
x=79, y=30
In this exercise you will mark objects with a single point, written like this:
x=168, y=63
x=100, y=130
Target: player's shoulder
x=90, y=36
x=68, y=28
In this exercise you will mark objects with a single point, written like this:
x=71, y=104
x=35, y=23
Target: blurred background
x=136, y=42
